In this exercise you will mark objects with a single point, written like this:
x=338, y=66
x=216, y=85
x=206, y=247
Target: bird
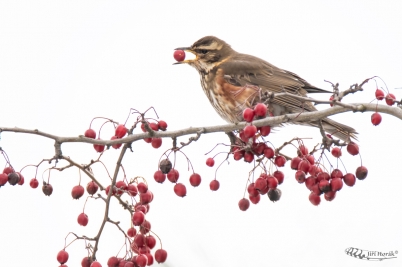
x=233, y=81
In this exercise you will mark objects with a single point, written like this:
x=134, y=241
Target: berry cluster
x=167, y=170
x=390, y=100
x=310, y=172
x=11, y=176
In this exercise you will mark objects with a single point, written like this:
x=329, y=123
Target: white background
x=64, y=62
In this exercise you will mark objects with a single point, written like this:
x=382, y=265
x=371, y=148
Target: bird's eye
x=203, y=51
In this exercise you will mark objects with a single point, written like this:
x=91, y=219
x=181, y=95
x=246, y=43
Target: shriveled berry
x=165, y=166
x=361, y=173
x=179, y=55
x=47, y=189
x=244, y=204
x=13, y=178
x=274, y=194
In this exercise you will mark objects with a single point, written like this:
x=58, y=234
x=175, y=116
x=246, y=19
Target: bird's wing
x=242, y=70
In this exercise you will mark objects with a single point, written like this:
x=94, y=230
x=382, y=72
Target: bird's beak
x=186, y=49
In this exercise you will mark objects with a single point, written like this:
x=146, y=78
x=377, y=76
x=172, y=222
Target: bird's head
x=209, y=51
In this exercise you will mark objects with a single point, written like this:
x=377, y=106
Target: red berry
x=300, y=176
x=154, y=126
x=390, y=99
x=361, y=173
x=180, y=190
x=160, y=255
x=113, y=262
x=379, y=94
x=310, y=159
x=254, y=199
x=150, y=241
x=179, y=55
x=258, y=148
x=302, y=151
x=108, y=189
x=96, y=264
x=310, y=182
x=8, y=170
x=121, y=186
x=349, y=179
x=148, y=140
x=272, y=182
x=138, y=218
x=260, y=184
x=376, y=118
x=314, y=170
x=280, y=161
x=156, y=142
x=22, y=179
x=248, y=156
x=86, y=262
x=279, y=176
x=82, y=219
x=4, y=180
x=238, y=155
x=336, y=184
x=265, y=130
x=92, y=188
x=33, y=183
x=260, y=110
x=90, y=133
x=248, y=114
x=116, y=146
x=336, y=173
x=304, y=166
x=77, y=192
x=132, y=190
x=244, y=204
x=120, y=131
x=353, y=149
x=142, y=187
x=146, y=198
x=336, y=152
x=159, y=176
x=252, y=190
x=249, y=131
x=330, y=99
x=323, y=176
x=330, y=195
x=269, y=153
x=210, y=162
x=324, y=186
x=145, y=227
x=62, y=256
x=214, y=185
x=99, y=148
x=131, y=232
x=294, y=163
x=195, y=179
x=314, y=199
x=173, y=175
x=162, y=125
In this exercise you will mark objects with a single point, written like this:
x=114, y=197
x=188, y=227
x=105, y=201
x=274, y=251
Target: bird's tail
x=339, y=130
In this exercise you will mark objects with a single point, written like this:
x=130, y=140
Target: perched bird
x=233, y=81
